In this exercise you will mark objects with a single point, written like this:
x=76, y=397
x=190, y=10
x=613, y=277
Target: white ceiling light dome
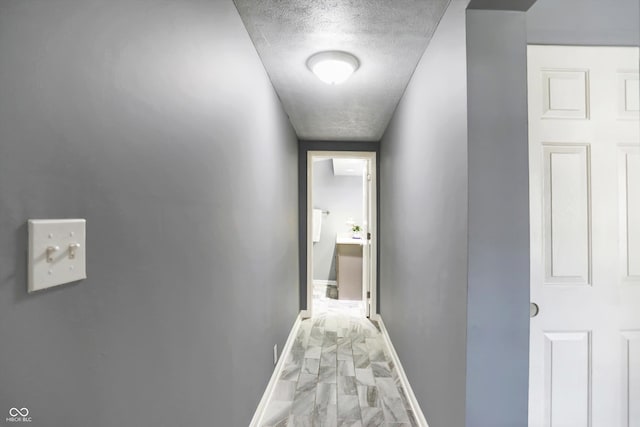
x=333, y=66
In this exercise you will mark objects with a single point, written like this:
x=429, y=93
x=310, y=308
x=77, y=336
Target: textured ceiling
x=387, y=36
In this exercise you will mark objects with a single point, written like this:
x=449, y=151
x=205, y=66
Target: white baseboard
x=262, y=406
x=415, y=407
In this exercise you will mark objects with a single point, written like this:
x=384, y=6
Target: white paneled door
x=584, y=160
x=366, y=244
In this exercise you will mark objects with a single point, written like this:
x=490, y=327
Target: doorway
x=584, y=166
x=341, y=233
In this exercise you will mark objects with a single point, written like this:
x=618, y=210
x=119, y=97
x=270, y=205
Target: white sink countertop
x=348, y=240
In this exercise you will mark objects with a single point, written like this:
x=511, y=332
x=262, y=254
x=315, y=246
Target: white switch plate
x=57, y=252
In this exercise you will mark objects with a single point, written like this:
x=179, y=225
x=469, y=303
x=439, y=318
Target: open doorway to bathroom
x=341, y=235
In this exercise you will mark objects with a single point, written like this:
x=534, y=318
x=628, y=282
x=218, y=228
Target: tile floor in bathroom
x=338, y=373
x=323, y=305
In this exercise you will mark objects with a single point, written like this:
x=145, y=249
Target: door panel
x=566, y=214
x=629, y=94
x=565, y=94
x=629, y=179
x=631, y=378
x=567, y=373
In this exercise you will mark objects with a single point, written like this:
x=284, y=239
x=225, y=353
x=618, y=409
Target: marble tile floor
x=338, y=373
x=322, y=304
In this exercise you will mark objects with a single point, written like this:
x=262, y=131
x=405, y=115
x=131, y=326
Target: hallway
x=338, y=373
x=179, y=133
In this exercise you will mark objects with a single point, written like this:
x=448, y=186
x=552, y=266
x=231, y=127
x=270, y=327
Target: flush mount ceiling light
x=333, y=67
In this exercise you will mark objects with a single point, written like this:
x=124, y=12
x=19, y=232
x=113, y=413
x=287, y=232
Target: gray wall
x=498, y=295
x=423, y=225
x=521, y=5
x=342, y=196
x=498, y=331
x=156, y=122
x=584, y=22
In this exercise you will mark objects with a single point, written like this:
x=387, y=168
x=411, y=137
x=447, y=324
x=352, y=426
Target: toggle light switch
x=51, y=250
x=73, y=247
x=57, y=252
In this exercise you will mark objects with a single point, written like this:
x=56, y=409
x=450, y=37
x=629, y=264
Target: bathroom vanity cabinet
x=349, y=268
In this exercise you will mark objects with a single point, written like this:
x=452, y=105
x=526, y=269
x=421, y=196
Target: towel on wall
x=317, y=224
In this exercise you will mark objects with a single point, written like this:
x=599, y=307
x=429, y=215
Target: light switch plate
x=57, y=252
